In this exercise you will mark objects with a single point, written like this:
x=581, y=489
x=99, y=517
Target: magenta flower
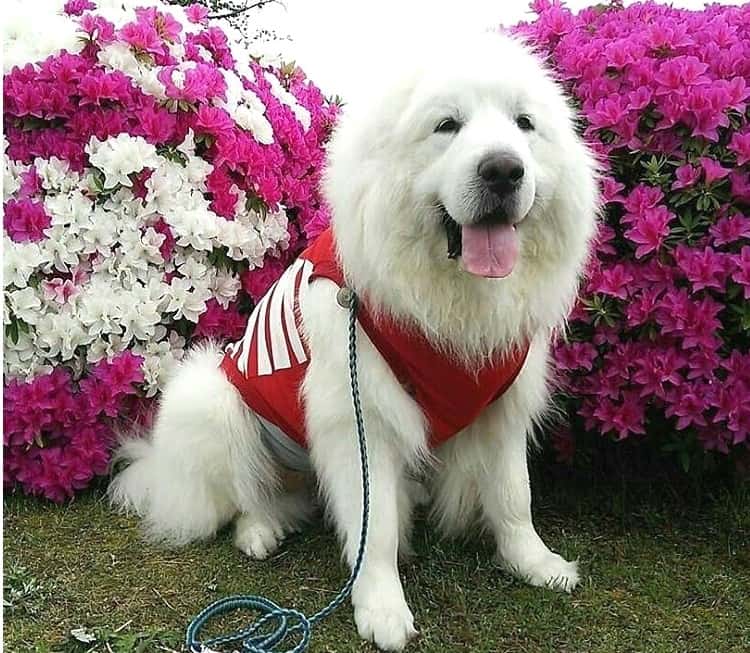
x=741, y=272
x=713, y=169
x=213, y=121
x=167, y=247
x=703, y=268
x=643, y=197
x=604, y=238
x=737, y=366
x=679, y=72
x=730, y=229
x=608, y=112
x=686, y=176
x=687, y=404
x=166, y=26
x=257, y=282
x=197, y=13
x=702, y=364
x=611, y=189
x=740, y=182
x=649, y=230
x=156, y=125
x=97, y=29
x=77, y=7
x=613, y=281
x=575, y=355
x=120, y=373
x=221, y=323
x=702, y=324
x=657, y=368
x=142, y=37
x=740, y=145
x=25, y=220
x=624, y=418
x=640, y=308
x=198, y=84
x=663, y=93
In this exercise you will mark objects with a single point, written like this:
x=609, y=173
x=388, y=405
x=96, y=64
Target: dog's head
x=468, y=162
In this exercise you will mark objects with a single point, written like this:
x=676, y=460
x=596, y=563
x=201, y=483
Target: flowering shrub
x=659, y=342
x=156, y=182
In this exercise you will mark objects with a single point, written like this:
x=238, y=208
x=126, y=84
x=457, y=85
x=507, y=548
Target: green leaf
x=685, y=460
x=11, y=331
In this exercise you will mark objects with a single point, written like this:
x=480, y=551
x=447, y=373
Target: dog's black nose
x=501, y=173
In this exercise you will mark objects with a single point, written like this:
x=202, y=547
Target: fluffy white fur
x=204, y=464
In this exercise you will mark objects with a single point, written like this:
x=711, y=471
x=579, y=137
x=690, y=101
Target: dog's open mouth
x=488, y=248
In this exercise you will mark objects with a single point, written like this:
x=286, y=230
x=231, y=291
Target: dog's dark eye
x=447, y=126
x=525, y=123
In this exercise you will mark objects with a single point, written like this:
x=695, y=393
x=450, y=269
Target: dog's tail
x=127, y=491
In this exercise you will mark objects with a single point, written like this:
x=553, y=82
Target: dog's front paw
x=390, y=627
x=258, y=539
x=551, y=571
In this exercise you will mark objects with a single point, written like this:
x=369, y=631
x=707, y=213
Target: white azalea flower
x=196, y=170
x=150, y=84
x=225, y=287
x=120, y=156
x=119, y=56
x=68, y=209
x=140, y=317
x=152, y=240
x=254, y=122
x=187, y=147
x=31, y=34
x=60, y=334
x=99, y=233
x=187, y=301
x=166, y=186
x=12, y=171
x=20, y=261
x=274, y=230
x=26, y=305
x=193, y=269
x=99, y=309
x=56, y=175
x=22, y=359
x=194, y=228
x=61, y=249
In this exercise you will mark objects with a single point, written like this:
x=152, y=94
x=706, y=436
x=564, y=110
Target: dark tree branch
x=241, y=10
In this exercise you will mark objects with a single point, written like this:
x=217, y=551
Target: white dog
x=463, y=207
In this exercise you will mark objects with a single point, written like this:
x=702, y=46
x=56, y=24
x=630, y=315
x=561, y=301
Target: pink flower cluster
x=252, y=145
x=659, y=341
x=57, y=432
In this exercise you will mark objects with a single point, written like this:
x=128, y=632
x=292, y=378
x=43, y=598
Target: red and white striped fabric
x=272, y=339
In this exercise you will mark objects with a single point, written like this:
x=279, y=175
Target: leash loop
x=279, y=625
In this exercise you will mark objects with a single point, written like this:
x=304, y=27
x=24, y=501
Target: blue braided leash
x=279, y=624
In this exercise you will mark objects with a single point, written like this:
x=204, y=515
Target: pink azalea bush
x=156, y=181
x=659, y=342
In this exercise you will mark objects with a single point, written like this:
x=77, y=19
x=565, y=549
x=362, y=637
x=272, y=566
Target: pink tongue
x=489, y=250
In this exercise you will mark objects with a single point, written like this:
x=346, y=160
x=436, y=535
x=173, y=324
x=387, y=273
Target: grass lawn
x=664, y=570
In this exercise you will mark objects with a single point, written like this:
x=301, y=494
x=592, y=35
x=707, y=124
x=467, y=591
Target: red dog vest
x=268, y=365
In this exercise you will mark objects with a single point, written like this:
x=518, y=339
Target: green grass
x=664, y=570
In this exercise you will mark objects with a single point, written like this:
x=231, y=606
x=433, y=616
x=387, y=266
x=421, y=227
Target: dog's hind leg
x=204, y=461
